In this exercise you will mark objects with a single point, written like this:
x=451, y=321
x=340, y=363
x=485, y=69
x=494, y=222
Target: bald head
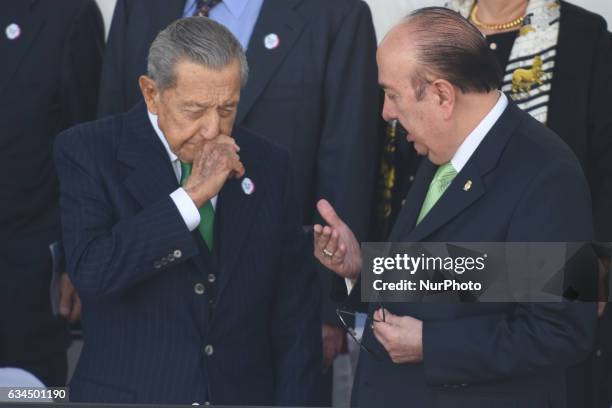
x=443, y=45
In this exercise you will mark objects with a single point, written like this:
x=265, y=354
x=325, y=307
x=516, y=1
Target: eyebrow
x=195, y=104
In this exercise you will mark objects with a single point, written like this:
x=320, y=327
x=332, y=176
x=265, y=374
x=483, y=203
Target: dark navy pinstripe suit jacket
x=135, y=265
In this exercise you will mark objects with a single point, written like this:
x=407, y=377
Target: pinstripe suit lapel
x=236, y=211
x=150, y=176
x=276, y=16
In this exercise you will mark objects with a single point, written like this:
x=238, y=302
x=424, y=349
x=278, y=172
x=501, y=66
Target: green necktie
x=207, y=212
x=441, y=180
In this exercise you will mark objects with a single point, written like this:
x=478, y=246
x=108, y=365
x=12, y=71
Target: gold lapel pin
x=467, y=185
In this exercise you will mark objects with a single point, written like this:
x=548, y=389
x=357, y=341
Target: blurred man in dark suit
x=49, y=76
x=312, y=89
x=184, y=240
x=491, y=173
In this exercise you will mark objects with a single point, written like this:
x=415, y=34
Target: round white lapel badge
x=271, y=41
x=248, y=186
x=12, y=31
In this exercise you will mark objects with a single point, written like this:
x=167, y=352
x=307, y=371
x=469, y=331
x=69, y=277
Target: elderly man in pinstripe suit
x=184, y=240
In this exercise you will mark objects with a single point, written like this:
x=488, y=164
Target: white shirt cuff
x=186, y=207
x=349, y=285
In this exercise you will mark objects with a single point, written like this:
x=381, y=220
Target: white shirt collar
x=471, y=143
x=153, y=118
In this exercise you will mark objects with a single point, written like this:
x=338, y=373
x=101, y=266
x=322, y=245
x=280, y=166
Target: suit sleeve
x=349, y=138
x=81, y=65
x=600, y=134
x=112, y=94
x=534, y=336
x=106, y=254
x=296, y=321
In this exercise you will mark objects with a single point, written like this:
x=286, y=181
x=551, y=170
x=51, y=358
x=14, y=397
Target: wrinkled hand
x=401, y=336
x=213, y=164
x=334, y=343
x=69, y=302
x=335, y=245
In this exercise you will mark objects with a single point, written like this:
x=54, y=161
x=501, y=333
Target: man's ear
x=445, y=95
x=150, y=93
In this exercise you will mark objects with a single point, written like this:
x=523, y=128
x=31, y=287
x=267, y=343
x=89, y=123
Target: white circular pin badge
x=248, y=186
x=271, y=41
x=12, y=31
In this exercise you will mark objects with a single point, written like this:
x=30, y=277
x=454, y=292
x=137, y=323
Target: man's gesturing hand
x=212, y=165
x=335, y=245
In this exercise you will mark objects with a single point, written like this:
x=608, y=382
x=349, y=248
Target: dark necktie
x=203, y=7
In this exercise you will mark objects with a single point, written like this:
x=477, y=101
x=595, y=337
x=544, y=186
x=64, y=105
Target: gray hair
x=196, y=39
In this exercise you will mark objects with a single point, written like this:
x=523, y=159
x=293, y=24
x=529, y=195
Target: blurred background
x=602, y=7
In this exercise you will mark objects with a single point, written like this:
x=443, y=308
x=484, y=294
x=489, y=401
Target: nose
x=211, y=125
x=388, y=112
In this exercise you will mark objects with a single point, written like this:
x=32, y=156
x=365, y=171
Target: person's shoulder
x=98, y=137
x=542, y=149
x=574, y=15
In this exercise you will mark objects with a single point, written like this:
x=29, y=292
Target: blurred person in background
x=51, y=55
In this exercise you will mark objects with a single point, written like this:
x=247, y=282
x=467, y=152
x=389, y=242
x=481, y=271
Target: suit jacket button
x=177, y=253
x=211, y=278
x=411, y=178
x=208, y=350
x=157, y=264
x=199, y=289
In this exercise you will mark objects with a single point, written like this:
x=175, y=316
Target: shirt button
x=208, y=350
x=598, y=353
x=177, y=253
x=411, y=178
x=211, y=278
x=198, y=289
x=403, y=202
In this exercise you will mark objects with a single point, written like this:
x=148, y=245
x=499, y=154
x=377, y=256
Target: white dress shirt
x=184, y=203
x=470, y=144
